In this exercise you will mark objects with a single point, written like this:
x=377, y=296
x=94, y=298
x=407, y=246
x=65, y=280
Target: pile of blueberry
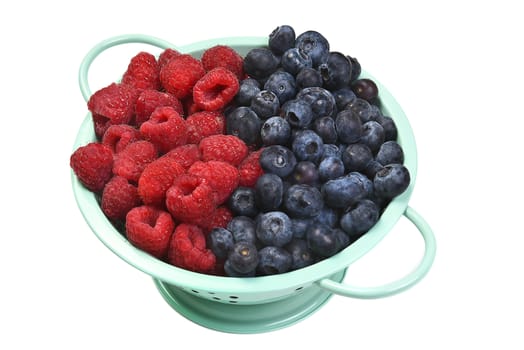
x=330, y=157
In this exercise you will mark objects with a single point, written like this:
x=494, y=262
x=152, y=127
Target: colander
x=256, y=304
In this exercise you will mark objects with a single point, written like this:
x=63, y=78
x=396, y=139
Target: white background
x=456, y=69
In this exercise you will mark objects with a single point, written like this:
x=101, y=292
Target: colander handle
x=400, y=285
x=108, y=43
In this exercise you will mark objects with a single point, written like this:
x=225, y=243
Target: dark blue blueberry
x=269, y=191
x=301, y=255
x=360, y=218
x=299, y=226
x=282, y=84
x=298, y=113
x=365, y=88
x=231, y=272
x=355, y=68
x=390, y=152
x=330, y=168
x=243, y=257
x=220, y=241
x=307, y=145
x=274, y=228
x=349, y=126
x=364, y=181
x=376, y=113
x=248, y=89
x=322, y=240
x=343, y=97
x=336, y=71
x=243, y=228
x=315, y=45
x=390, y=128
x=321, y=101
x=331, y=150
x=373, y=135
x=293, y=60
x=260, y=63
x=273, y=260
x=265, y=104
x=391, y=181
x=277, y=159
x=344, y=191
x=362, y=108
x=303, y=201
x=372, y=168
x=281, y=39
x=306, y=172
x=326, y=129
x=356, y=157
x=275, y=131
x=308, y=77
x=342, y=238
x=242, y=201
x=245, y=124
x=327, y=216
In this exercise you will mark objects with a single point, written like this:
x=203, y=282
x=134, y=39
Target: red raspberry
x=185, y=155
x=188, y=250
x=101, y=124
x=190, y=198
x=132, y=160
x=142, y=72
x=115, y=102
x=223, y=56
x=203, y=124
x=180, y=74
x=119, y=136
x=92, y=164
x=166, y=129
x=150, y=230
x=215, y=89
x=118, y=198
x=190, y=107
x=219, y=218
x=166, y=56
x=222, y=177
x=149, y=100
x=156, y=179
x=250, y=169
x=226, y=148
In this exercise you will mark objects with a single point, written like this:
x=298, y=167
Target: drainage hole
x=233, y=301
x=216, y=298
x=195, y=291
x=233, y=297
x=299, y=288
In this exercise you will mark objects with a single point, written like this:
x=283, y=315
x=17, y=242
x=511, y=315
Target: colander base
x=252, y=318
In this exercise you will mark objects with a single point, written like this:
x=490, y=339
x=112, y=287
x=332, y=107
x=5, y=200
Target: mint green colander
x=258, y=304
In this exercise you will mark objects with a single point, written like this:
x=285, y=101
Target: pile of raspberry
x=162, y=166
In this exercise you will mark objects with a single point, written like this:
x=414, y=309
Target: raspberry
x=149, y=100
x=115, y=102
x=166, y=129
x=185, y=155
x=219, y=218
x=156, y=179
x=226, y=148
x=131, y=161
x=223, y=56
x=118, y=198
x=166, y=56
x=250, y=169
x=190, y=107
x=142, y=72
x=119, y=136
x=215, y=89
x=188, y=250
x=180, y=74
x=190, y=198
x=101, y=124
x=203, y=124
x=92, y=164
x=150, y=230
x=222, y=177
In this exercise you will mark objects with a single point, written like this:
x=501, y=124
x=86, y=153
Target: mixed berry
x=243, y=166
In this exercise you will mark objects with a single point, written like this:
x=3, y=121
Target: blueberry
x=275, y=131
x=343, y=97
x=321, y=101
x=243, y=228
x=244, y=123
x=376, y=113
x=305, y=172
x=273, y=260
x=298, y=113
x=326, y=129
x=315, y=45
x=277, y=159
x=349, y=126
x=362, y=108
x=391, y=181
x=343, y=239
x=322, y=240
x=282, y=84
x=355, y=68
x=269, y=191
x=330, y=168
x=344, y=191
x=281, y=39
x=260, y=63
x=373, y=135
x=243, y=257
x=249, y=87
x=372, y=168
x=274, y=228
x=390, y=128
x=308, y=77
x=307, y=145
x=360, y=218
x=327, y=216
x=331, y=150
x=299, y=226
x=356, y=157
x=294, y=59
x=364, y=181
x=301, y=255
x=365, y=88
x=390, y=152
x=231, y=272
x=265, y=104
x=336, y=71
x=220, y=241
x=242, y=201
x=303, y=201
